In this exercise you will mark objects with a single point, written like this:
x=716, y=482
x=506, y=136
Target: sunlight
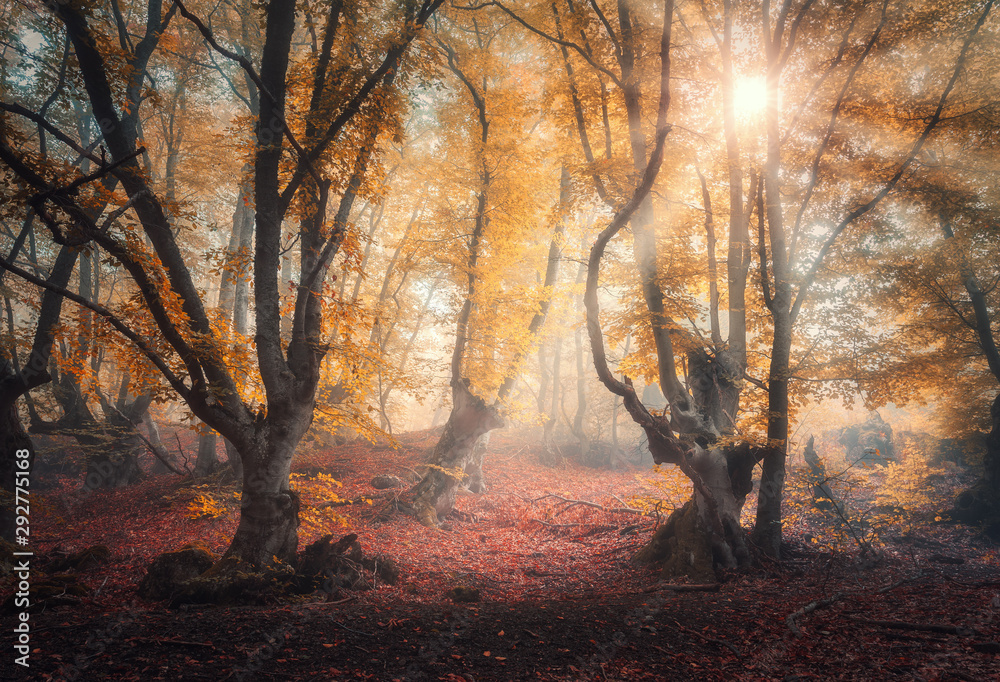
x=750, y=97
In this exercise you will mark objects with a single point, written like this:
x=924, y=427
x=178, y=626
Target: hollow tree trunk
x=470, y=419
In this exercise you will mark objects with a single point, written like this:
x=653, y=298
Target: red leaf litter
x=559, y=597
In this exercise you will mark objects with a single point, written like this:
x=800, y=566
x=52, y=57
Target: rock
x=171, y=571
x=49, y=591
x=81, y=561
x=461, y=594
x=386, y=481
x=232, y=581
x=7, y=550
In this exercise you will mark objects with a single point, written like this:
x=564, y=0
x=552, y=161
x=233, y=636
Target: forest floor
x=559, y=598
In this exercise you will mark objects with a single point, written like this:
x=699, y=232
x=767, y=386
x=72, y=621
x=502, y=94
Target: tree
x=348, y=84
x=793, y=264
x=480, y=365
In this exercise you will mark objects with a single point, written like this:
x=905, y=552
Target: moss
x=171, y=571
x=232, y=581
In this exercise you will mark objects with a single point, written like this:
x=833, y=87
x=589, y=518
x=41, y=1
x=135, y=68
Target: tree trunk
x=116, y=465
x=153, y=435
x=545, y=378
x=581, y=400
x=208, y=461
x=549, y=453
x=470, y=419
x=767, y=527
x=13, y=440
x=269, y=515
x=980, y=504
x=704, y=536
x=991, y=463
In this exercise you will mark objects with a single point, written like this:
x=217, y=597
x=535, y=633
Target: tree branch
x=537, y=31
x=903, y=166
x=113, y=319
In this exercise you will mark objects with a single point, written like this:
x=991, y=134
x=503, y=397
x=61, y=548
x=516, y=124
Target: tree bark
x=471, y=417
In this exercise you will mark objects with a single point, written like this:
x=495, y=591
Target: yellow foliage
x=211, y=504
x=319, y=499
x=904, y=483
x=457, y=473
x=671, y=490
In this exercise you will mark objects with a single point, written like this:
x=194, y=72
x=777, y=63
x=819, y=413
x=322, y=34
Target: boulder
x=171, y=571
x=461, y=594
x=91, y=557
x=386, y=481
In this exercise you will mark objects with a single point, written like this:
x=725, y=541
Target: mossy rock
x=461, y=594
x=7, y=562
x=979, y=506
x=91, y=557
x=232, y=581
x=169, y=572
x=49, y=591
x=386, y=481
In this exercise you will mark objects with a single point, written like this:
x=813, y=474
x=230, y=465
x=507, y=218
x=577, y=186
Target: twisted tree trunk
x=471, y=418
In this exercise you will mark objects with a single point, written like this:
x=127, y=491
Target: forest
x=495, y=340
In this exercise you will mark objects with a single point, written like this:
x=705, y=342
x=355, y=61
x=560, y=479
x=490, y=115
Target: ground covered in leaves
x=547, y=549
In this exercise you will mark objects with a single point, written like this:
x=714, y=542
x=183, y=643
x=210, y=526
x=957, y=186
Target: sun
x=749, y=97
